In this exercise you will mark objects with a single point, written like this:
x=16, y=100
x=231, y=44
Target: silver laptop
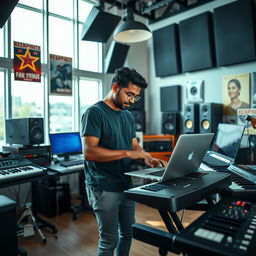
x=186, y=158
x=225, y=145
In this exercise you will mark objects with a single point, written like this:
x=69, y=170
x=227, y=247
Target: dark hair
x=236, y=82
x=125, y=75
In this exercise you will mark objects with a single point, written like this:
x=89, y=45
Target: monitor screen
x=227, y=139
x=65, y=144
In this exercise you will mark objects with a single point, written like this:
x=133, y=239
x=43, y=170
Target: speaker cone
x=37, y=135
x=188, y=124
x=205, y=124
x=168, y=126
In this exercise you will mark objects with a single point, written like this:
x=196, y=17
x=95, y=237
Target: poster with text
x=27, y=62
x=241, y=119
x=60, y=75
x=236, y=95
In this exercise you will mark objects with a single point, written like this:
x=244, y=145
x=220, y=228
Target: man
x=109, y=146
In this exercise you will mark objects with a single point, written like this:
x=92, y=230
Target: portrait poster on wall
x=27, y=62
x=242, y=114
x=254, y=89
x=236, y=95
x=60, y=75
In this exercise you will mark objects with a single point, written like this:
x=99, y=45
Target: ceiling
x=155, y=10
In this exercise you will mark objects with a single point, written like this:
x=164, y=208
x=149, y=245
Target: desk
x=57, y=170
x=171, y=196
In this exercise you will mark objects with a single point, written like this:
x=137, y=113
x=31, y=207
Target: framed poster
x=60, y=75
x=236, y=95
x=26, y=62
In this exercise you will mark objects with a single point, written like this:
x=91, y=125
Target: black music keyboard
x=227, y=229
x=73, y=164
x=18, y=168
x=179, y=193
x=243, y=183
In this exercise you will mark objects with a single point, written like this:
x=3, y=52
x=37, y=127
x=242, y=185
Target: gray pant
x=115, y=216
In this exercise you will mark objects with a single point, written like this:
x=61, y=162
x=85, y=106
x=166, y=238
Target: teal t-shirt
x=115, y=130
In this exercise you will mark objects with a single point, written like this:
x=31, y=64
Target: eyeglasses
x=130, y=96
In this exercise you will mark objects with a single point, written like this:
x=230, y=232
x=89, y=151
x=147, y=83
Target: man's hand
x=136, y=155
x=156, y=162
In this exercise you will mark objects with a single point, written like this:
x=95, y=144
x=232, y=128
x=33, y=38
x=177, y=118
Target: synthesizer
x=243, y=184
x=180, y=193
x=17, y=168
x=227, y=229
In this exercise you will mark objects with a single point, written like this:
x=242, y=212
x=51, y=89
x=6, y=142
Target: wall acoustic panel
x=166, y=51
x=196, y=43
x=234, y=27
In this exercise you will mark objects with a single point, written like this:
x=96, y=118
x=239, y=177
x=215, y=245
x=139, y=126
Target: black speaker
x=116, y=56
x=210, y=115
x=6, y=9
x=170, y=123
x=140, y=104
x=24, y=131
x=191, y=118
x=139, y=118
x=8, y=231
x=99, y=25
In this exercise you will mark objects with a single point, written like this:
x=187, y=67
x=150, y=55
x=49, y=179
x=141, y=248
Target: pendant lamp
x=131, y=31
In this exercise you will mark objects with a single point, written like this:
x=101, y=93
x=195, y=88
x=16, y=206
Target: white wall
x=212, y=77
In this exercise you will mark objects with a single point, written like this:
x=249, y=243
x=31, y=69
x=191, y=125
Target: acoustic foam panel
x=196, y=43
x=99, y=25
x=234, y=27
x=116, y=56
x=166, y=51
x=6, y=9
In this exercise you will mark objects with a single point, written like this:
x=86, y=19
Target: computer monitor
x=65, y=144
x=227, y=139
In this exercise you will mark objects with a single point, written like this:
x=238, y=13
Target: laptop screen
x=227, y=139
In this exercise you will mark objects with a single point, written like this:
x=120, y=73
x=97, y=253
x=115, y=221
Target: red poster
x=27, y=63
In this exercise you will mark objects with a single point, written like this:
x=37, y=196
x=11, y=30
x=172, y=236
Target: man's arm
x=92, y=152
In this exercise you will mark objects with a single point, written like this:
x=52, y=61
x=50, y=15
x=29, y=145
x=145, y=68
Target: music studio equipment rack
x=159, y=146
x=227, y=229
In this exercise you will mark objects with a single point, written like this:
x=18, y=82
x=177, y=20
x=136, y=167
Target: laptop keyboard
x=72, y=162
x=214, y=162
x=175, y=184
x=158, y=173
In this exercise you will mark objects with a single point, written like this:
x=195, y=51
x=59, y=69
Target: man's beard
x=118, y=104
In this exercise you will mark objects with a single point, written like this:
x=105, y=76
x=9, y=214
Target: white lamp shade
x=132, y=32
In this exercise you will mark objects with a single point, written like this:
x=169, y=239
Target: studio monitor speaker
x=191, y=118
x=8, y=231
x=6, y=9
x=116, y=56
x=210, y=115
x=139, y=118
x=24, y=131
x=170, y=123
x=99, y=25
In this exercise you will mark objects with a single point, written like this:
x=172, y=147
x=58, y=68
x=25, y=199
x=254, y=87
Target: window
x=60, y=37
x=90, y=93
x=1, y=42
x=84, y=9
x=61, y=7
x=2, y=82
x=25, y=31
x=89, y=54
x=34, y=3
x=61, y=113
x=27, y=98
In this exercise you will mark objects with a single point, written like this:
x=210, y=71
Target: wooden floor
x=80, y=237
